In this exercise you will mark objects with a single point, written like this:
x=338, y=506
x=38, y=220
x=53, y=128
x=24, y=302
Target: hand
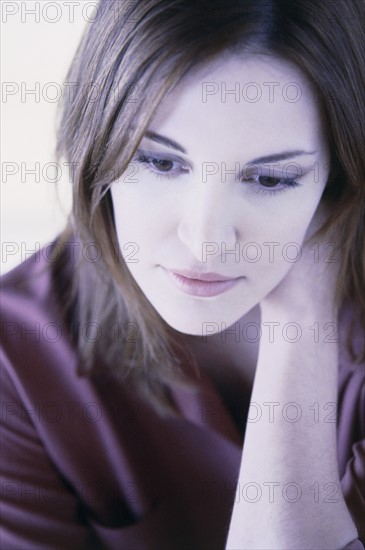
x=309, y=286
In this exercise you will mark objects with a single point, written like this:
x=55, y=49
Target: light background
x=35, y=48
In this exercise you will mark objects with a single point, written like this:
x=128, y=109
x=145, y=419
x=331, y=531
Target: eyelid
x=249, y=171
x=274, y=171
x=164, y=156
x=267, y=192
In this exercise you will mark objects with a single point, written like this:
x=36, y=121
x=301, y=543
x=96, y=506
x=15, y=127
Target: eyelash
x=146, y=160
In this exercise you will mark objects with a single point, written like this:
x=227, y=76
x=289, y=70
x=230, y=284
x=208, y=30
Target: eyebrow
x=153, y=136
x=281, y=156
x=164, y=141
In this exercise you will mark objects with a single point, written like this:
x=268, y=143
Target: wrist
x=296, y=332
x=308, y=311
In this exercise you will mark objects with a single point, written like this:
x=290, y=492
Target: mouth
x=201, y=284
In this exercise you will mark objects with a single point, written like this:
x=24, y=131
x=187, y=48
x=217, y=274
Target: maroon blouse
x=87, y=464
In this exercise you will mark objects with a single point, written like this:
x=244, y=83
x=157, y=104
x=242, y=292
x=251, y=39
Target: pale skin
x=303, y=452
x=188, y=210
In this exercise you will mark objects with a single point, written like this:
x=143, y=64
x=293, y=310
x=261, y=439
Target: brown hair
x=132, y=55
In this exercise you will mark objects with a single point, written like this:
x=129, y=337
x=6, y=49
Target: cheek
x=275, y=226
x=126, y=226
x=131, y=214
x=145, y=212
x=144, y=226
x=285, y=219
x=276, y=241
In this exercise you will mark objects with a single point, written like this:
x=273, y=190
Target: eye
x=268, y=181
x=270, y=184
x=272, y=181
x=161, y=166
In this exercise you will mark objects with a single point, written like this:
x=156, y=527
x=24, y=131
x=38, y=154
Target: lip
x=197, y=283
x=201, y=276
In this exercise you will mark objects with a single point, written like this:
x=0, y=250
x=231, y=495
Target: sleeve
x=353, y=487
x=354, y=545
x=38, y=510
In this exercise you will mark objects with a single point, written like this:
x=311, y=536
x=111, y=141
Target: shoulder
x=351, y=413
x=50, y=419
x=27, y=299
x=351, y=339
x=28, y=281
x=35, y=338
x=31, y=286
x=25, y=294
x=33, y=293
x=41, y=368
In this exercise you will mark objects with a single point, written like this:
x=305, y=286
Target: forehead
x=253, y=98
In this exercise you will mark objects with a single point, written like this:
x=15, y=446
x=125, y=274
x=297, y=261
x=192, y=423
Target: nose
x=207, y=220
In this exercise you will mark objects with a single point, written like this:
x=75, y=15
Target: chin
x=185, y=325
x=197, y=326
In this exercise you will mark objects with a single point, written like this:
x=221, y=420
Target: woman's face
x=224, y=186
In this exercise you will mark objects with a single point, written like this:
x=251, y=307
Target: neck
x=235, y=349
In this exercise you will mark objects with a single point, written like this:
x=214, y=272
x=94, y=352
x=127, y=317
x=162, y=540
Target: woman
x=184, y=367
